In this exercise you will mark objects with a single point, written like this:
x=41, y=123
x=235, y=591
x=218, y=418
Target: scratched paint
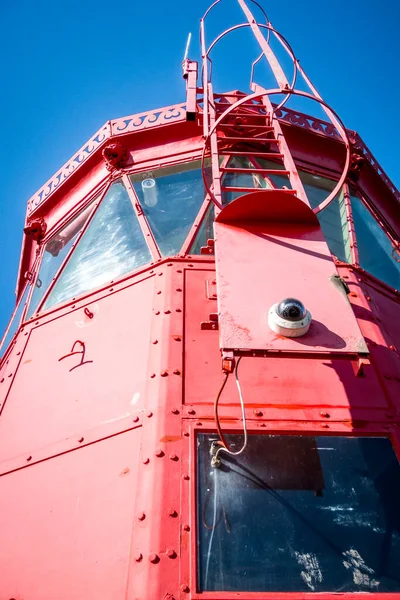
x=311, y=573
x=362, y=574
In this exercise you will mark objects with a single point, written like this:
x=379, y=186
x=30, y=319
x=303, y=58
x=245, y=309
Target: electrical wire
x=213, y=526
x=223, y=445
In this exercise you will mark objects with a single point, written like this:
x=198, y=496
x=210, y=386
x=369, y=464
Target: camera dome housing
x=289, y=318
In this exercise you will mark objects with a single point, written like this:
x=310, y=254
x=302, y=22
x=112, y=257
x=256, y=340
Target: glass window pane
x=54, y=254
x=374, y=247
x=244, y=180
x=333, y=218
x=170, y=199
x=112, y=245
x=15, y=321
x=299, y=514
x=205, y=233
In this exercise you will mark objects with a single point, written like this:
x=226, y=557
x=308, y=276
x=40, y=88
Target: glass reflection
x=374, y=247
x=112, y=245
x=332, y=219
x=205, y=233
x=170, y=199
x=299, y=514
x=55, y=251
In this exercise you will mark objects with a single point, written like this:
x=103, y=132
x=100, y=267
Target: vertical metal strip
x=144, y=225
x=350, y=226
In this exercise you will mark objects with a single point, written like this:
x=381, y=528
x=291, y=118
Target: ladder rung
x=251, y=153
x=252, y=189
x=243, y=125
x=245, y=139
x=253, y=170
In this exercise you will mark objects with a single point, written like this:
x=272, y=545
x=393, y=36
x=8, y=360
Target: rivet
x=159, y=274
x=154, y=558
x=175, y=411
x=159, y=453
x=164, y=373
x=152, y=376
x=177, y=372
x=155, y=341
x=29, y=458
x=10, y=375
x=186, y=477
x=325, y=414
x=179, y=271
x=178, y=310
x=167, y=312
x=172, y=512
x=178, y=289
x=1, y=381
x=191, y=411
x=81, y=440
x=353, y=294
x=177, y=338
x=390, y=348
x=325, y=425
x=173, y=457
x=18, y=353
x=368, y=297
x=169, y=264
x=185, y=588
x=262, y=425
x=186, y=434
x=190, y=265
x=157, y=312
x=146, y=461
x=171, y=553
x=37, y=323
x=258, y=413
x=198, y=423
x=135, y=419
x=138, y=557
x=149, y=414
x=141, y=516
x=186, y=527
x=151, y=272
x=159, y=292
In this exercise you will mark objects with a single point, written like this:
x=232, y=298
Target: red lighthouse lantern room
x=200, y=383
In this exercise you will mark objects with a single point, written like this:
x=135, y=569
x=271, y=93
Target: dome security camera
x=289, y=318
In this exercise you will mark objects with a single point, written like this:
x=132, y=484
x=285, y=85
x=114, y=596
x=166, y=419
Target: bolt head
x=141, y=516
x=171, y=553
x=175, y=411
x=185, y=588
x=258, y=413
x=149, y=414
x=186, y=527
x=135, y=419
x=186, y=477
x=172, y=512
x=146, y=461
x=159, y=453
x=173, y=457
x=191, y=411
x=138, y=557
x=154, y=558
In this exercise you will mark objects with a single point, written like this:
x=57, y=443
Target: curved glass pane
x=374, y=247
x=240, y=180
x=15, y=321
x=333, y=218
x=112, y=245
x=299, y=514
x=170, y=199
x=54, y=254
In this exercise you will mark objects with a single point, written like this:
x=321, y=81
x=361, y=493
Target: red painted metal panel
x=276, y=383
x=77, y=372
x=259, y=265
x=66, y=524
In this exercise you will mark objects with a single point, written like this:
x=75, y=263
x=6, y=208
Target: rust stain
x=170, y=438
x=126, y=471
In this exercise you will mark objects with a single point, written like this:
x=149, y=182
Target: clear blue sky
x=67, y=67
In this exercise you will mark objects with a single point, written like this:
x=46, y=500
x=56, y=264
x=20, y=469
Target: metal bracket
x=211, y=324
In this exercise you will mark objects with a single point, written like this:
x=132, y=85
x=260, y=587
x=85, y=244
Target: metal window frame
x=188, y=551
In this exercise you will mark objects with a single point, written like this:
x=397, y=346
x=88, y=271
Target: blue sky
x=67, y=67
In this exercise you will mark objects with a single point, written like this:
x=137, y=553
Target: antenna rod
x=187, y=46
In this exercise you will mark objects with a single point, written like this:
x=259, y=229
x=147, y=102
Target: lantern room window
x=376, y=252
x=299, y=514
x=112, y=245
x=332, y=219
x=170, y=199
